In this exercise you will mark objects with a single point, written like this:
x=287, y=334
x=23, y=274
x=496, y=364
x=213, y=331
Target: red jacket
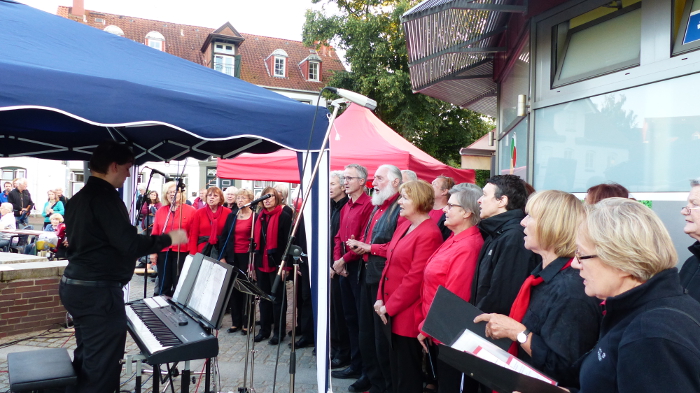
x=452, y=266
x=201, y=226
x=165, y=223
x=402, y=278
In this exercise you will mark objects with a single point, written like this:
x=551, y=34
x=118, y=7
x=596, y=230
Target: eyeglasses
x=580, y=257
x=686, y=210
x=450, y=206
x=351, y=178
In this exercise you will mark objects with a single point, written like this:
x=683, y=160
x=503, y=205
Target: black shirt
x=102, y=243
x=563, y=320
x=690, y=273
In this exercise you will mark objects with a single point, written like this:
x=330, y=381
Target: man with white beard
x=374, y=345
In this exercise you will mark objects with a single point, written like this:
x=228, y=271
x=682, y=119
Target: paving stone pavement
x=229, y=367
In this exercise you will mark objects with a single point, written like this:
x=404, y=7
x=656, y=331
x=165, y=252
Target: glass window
x=513, y=151
x=646, y=138
x=224, y=64
x=224, y=48
x=279, y=66
x=687, y=26
x=517, y=82
x=313, y=71
x=155, y=40
x=156, y=44
x=597, y=43
x=12, y=172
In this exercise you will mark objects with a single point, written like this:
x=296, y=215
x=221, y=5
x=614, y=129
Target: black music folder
x=494, y=376
x=449, y=316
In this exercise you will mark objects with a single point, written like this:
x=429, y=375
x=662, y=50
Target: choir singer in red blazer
x=208, y=222
x=452, y=266
x=414, y=241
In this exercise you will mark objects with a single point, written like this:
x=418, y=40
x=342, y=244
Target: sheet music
x=181, y=280
x=481, y=348
x=207, y=288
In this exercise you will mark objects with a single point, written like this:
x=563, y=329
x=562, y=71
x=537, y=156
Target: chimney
x=78, y=8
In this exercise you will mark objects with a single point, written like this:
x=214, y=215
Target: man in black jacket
x=21, y=201
x=340, y=339
x=374, y=345
x=504, y=262
x=690, y=272
x=103, y=246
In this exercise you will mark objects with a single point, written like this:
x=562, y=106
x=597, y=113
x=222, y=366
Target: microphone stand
x=296, y=255
x=250, y=302
x=336, y=106
x=139, y=217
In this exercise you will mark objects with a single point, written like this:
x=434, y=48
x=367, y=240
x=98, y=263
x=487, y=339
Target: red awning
x=358, y=136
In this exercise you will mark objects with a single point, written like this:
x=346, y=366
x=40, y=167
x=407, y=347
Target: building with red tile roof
x=284, y=66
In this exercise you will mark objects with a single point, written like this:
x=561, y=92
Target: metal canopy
x=451, y=44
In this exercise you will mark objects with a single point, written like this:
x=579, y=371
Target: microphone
x=357, y=98
x=255, y=202
x=167, y=178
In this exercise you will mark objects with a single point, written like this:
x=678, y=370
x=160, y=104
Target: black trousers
x=340, y=340
x=406, y=358
x=374, y=346
x=449, y=378
x=169, y=264
x=270, y=312
x=100, y=333
x=237, y=303
x=350, y=289
x=305, y=309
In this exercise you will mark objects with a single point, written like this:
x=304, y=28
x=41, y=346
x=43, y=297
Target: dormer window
x=224, y=48
x=155, y=40
x=314, y=71
x=279, y=65
x=114, y=30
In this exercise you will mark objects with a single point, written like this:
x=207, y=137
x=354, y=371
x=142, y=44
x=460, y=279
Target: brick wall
x=28, y=305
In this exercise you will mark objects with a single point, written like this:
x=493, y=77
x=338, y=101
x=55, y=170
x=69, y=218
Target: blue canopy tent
x=65, y=87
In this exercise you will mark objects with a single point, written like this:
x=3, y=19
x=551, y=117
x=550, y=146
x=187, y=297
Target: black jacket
x=336, y=207
x=690, y=273
x=284, y=230
x=504, y=263
x=19, y=200
x=227, y=238
x=649, y=341
x=563, y=320
x=102, y=243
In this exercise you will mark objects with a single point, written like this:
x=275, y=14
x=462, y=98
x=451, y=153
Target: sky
x=271, y=18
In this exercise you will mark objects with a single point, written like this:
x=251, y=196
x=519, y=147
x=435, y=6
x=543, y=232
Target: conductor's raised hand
x=178, y=236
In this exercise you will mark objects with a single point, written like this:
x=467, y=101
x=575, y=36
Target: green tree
x=370, y=33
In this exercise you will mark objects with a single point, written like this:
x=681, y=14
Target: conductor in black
x=102, y=252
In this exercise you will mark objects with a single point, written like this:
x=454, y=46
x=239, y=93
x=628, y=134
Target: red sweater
x=402, y=278
x=165, y=223
x=452, y=266
x=201, y=226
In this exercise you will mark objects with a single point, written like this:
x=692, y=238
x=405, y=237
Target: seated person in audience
x=7, y=221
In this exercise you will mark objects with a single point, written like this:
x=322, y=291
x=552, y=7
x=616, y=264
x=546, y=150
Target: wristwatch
x=522, y=336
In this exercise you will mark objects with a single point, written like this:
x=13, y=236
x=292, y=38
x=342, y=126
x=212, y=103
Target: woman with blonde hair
x=173, y=215
x=552, y=322
x=650, y=334
x=399, y=293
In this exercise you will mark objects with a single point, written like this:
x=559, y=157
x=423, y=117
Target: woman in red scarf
x=174, y=214
x=208, y=222
x=552, y=322
x=272, y=230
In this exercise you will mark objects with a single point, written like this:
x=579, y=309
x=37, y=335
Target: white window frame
x=283, y=62
x=224, y=48
x=314, y=68
x=222, y=66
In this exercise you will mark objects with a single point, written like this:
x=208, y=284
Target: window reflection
x=645, y=138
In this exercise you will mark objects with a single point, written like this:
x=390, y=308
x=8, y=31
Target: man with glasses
x=690, y=273
x=374, y=346
x=353, y=218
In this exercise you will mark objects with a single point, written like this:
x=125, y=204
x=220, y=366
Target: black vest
x=381, y=234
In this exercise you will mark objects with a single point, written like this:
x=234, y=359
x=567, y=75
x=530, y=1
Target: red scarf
x=522, y=301
x=272, y=218
x=213, y=220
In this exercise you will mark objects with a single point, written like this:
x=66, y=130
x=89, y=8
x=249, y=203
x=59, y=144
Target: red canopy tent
x=358, y=136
